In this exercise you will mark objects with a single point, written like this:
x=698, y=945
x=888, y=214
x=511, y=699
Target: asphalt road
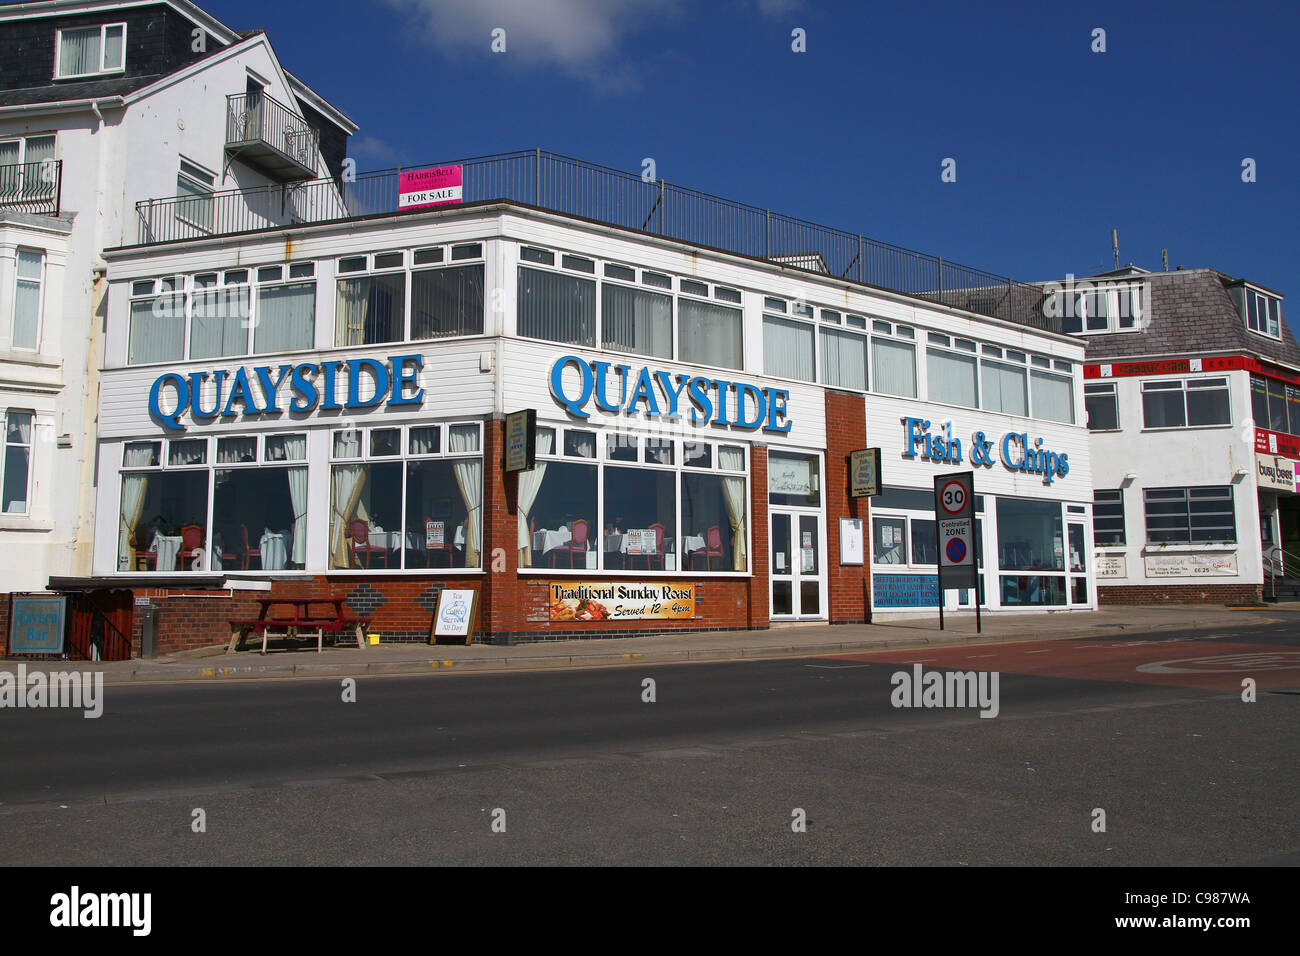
x=1151, y=729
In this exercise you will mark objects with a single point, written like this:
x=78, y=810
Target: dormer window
x=88, y=51
x=1089, y=310
x=1263, y=313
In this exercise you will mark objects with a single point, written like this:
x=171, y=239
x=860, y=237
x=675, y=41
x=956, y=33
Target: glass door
x=798, y=579
x=1078, y=564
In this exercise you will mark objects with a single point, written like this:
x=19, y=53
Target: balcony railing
x=269, y=136
x=559, y=183
x=32, y=187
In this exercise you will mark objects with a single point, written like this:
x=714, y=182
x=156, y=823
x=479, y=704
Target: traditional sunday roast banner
x=614, y=600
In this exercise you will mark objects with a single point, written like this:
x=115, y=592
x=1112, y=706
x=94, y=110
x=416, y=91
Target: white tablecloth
x=693, y=542
x=544, y=540
x=166, y=547
x=276, y=548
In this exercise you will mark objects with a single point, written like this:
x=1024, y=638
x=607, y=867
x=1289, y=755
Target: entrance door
x=1077, y=563
x=798, y=575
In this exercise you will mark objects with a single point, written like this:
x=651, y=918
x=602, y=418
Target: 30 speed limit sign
x=954, y=513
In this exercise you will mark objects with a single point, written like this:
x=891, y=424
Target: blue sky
x=1054, y=144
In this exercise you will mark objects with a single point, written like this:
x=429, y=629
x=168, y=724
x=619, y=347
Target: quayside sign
x=668, y=395
x=273, y=389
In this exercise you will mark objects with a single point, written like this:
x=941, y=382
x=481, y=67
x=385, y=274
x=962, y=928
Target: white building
x=103, y=105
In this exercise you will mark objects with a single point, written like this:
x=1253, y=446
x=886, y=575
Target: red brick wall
x=4, y=623
x=846, y=430
x=1180, y=594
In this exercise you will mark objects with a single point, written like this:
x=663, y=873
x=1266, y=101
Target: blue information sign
x=904, y=590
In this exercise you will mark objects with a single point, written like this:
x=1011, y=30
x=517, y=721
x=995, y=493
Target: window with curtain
x=844, y=359
x=87, y=50
x=1052, y=397
x=788, y=348
x=1005, y=388
x=709, y=334
x=219, y=321
x=286, y=317
x=893, y=367
x=25, y=168
x=634, y=320
x=447, y=302
x=27, y=299
x=17, y=462
x=557, y=307
x=164, y=517
x=952, y=378
x=640, y=524
x=259, y=518
x=157, y=329
x=371, y=309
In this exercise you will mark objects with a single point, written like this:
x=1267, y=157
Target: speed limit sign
x=953, y=497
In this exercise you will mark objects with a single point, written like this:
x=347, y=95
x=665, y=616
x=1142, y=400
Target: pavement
x=289, y=660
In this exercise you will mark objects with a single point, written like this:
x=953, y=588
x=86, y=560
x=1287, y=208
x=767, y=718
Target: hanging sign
x=521, y=440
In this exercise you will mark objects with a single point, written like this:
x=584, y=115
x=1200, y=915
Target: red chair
x=248, y=551
x=191, y=544
x=359, y=542
x=712, y=547
x=659, y=531
x=577, y=543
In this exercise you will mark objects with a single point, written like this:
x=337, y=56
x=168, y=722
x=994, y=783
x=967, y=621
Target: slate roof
x=1191, y=313
x=85, y=90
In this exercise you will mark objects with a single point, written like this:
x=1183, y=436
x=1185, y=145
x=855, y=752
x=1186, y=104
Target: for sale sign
x=954, y=513
x=440, y=186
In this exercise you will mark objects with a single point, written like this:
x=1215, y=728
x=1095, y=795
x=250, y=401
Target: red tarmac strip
x=1208, y=665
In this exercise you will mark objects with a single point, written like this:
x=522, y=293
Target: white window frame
x=205, y=180
x=103, y=33
x=5, y=445
x=1184, y=387
x=1259, y=298
x=1079, y=298
x=40, y=299
x=22, y=141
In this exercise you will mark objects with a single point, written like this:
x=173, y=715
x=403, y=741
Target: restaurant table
x=167, y=548
x=276, y=546
x=544, y=540
x=298, y=620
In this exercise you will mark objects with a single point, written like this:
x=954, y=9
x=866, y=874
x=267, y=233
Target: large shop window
x=164, y=509
x=627, y=502
x=1203, y=515
x=421, y=509
x=1031, y=540
x=259, y=511
x=1182, y=404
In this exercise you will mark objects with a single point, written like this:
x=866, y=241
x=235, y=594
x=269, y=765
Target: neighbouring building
x=104, y=105
x=1193, y=398
x=318, y=409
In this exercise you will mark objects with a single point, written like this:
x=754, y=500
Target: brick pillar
x=500, y=557
x=846, y=431
x=760, y=558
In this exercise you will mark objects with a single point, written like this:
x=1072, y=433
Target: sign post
x=954, y=530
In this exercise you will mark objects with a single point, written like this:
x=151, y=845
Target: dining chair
x=359, y=542
x=659, y=531
x=148, y=558
x=191, y=544
x=577, y=543
x=712, y=547
x=250, y=552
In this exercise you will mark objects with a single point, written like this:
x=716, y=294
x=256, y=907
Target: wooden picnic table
x=298, y=621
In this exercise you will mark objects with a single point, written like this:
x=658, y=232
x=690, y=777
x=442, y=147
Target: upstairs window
x=1263, y=313
x=1101, y=400
x=1185, y=404
x=26, y=168
x=196, y=184
x=1094, y=310
x=26, y=325
x=87, y=51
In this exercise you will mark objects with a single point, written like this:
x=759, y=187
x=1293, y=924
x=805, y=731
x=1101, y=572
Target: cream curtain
x=134, y=488
x=349, y=482
x=734, y=490
x=530, y=483
x=469, y=478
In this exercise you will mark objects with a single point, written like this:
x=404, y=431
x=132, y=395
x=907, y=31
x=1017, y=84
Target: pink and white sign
x=440, y=186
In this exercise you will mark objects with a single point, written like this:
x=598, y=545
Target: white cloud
x=372, y=148
x=578, y=36
x=778, y=8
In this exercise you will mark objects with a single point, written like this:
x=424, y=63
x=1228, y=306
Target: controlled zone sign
x=954, y=514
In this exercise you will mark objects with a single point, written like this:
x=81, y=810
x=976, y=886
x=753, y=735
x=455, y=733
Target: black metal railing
x=257, y=118
x=578, y=188
x=91, y=635
x=32, y=187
